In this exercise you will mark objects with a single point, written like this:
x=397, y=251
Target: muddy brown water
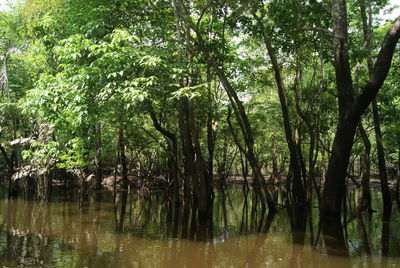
x=152, y=232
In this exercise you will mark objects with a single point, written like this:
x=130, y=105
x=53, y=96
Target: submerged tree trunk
x=238, y=108
x=197, y=174
x=212, y=127
x=295, y=157
x=173, y=147
x=247, y=133
x=364, y=202
x=122, y=154
x=387, y=201
x=188, y=156
x=196, y=178
x=98, y=160
x=350, y=109
x=120, y=219
x=367, y=31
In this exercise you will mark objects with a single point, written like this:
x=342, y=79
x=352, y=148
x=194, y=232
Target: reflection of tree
x=120, y=216
x=80, y=237
x=22, y=246
x=332, y=230
x=364, y=235
x=298, y=224
x=244, y=222
x=385, y=236
x=251, y=259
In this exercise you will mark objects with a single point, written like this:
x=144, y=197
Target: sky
x=392, y=15
x=4, y=4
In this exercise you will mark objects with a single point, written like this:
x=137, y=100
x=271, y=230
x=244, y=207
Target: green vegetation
x=187, y=95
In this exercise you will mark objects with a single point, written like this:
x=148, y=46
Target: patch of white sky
x=392, y=12
x=5, y=5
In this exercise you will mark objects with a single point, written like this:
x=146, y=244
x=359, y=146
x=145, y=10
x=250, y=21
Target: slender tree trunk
x=298, y=186
x=98, y=160
x=196, y=172
x=123, y=159
x=367, y=31
x=204, y=190
x=364, y=202
x=188, y=155
x=260, y=186
x=239, y=111
x=387, y=201
x=195, y=164
x=211, y=132
x=173, y=146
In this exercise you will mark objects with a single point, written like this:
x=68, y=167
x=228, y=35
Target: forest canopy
x=190, y=94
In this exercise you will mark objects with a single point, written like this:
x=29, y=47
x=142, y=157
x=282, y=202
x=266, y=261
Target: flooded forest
x=199, y=133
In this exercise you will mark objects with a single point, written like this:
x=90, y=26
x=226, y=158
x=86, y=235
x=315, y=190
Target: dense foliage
x=185, y=92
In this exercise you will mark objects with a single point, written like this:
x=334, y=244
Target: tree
x=350, y=108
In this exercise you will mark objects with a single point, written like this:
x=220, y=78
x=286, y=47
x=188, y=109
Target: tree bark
x=350, y=110
x=298, y=186
x=364, y=202
x=98, y=160
x=173, y=146
x=121, y=145
x=196, y=177
x=202, y=183
x=240, y=115
x=247, y=133
x=387, y=201
x=367, y=31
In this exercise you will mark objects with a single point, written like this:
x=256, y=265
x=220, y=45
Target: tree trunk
x=203, y=190
x=211, y=131
x=334, y=187
x=239, y=110
x=367, y=31
x=195, y=164
x=364, y=202
x=121, y=145
x=173, y=146
x=97, y=160
x=188, y=155
x=350, y=110
x=387, y=201
x=298, y=186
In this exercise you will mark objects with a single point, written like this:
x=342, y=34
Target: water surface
x=152, y=232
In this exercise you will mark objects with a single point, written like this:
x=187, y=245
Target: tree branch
x=235, y=138
x=315, y=29
x=380, y=71
x=157, y=124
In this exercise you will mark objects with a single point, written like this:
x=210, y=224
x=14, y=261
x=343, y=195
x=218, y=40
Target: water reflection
x=124, y=230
